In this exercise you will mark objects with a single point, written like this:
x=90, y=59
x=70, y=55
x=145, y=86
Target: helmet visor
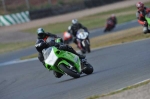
x=41, y=35
x=140, y=8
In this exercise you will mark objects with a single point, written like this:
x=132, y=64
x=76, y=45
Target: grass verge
x=90, y=22
x=9, y=47
x=119, y=91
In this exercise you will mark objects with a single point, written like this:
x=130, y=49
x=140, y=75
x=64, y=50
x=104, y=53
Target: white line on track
x=17, y=61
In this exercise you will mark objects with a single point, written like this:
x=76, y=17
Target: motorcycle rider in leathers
x=74, y=28
x=41, y=44
x=140, y=14
x=110, y=23
x=113, y=19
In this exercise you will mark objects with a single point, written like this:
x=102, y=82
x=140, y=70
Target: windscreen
x=46, y=52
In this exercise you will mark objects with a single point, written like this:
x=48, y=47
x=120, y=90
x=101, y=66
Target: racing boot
x=82, y=57
x=43, y=64
x=148, y=30
x=57, y=75
x=83, y=62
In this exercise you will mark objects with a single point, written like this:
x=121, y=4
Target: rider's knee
x=40, y=57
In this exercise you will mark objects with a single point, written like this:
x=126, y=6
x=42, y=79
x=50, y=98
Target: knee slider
x=145, y=30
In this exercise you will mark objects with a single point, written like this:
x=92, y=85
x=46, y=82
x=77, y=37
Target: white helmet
x=74, y=21
x=113, y=15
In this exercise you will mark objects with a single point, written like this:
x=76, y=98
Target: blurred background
x=44, y=8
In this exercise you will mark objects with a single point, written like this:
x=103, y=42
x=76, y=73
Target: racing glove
x=62, y=47
x=145, y=23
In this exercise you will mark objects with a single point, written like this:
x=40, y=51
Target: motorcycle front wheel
x=68, y=71
x=87, y=46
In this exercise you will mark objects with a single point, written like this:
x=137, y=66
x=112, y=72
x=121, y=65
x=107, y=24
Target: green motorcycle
x=147, y=17
x=65, y=62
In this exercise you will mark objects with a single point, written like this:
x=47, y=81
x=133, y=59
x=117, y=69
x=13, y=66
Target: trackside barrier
x=17, y=18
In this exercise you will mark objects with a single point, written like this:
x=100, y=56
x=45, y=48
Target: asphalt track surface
x=115, y=67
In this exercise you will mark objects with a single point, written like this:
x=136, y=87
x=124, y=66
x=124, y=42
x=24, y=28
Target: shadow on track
x=71, y=79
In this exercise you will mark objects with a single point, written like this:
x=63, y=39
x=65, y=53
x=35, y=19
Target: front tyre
x=69, y=71
x=87, y=46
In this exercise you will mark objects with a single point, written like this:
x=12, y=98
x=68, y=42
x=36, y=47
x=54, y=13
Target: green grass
x=8, y=47
x=54, y=28
x=97, y=21
x=90, y=22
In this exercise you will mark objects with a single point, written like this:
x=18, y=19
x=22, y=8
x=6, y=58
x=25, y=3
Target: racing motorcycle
x=83, y=41
x=109, y=26
x=65, y=62
x=67, y=37
x=147, y=17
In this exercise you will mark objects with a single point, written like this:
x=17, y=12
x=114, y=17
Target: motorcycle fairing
x=147, y=17
x=54, y=57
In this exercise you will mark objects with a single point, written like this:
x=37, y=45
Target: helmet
x=113, y=16
x=41, y=33
x=40, y=30
x=74, y=21
x=140, y=6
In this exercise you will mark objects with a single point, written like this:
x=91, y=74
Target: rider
x=67, y=36
x=41, y=44
x=140, y=14
x=75, y=27
x=113, y=19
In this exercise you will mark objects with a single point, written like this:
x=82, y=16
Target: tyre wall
x=36, y=14
x=16, y=18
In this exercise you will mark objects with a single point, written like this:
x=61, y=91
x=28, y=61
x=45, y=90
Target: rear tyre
x=69, y=71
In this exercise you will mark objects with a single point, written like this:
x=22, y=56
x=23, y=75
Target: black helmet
x=41, y=33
